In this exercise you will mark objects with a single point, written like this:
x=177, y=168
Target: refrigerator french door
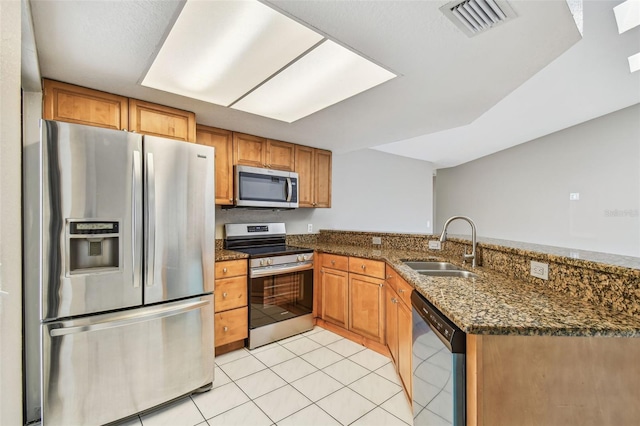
x=119, y=251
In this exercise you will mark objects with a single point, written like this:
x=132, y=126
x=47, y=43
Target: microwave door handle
x=289, y=189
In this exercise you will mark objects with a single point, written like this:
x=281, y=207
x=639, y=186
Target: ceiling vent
x=474, y=17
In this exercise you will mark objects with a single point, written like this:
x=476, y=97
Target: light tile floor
x=313, y=379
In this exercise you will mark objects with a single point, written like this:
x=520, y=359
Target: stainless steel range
x=280, y=281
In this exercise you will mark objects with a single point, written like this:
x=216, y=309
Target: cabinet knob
x=333, y=262
x=389, y=276
x=224, y=295
x=231, y=200
x=381, y=284
x=224, y=270
x=401, y=290
x=225, y=328
x=363, y=266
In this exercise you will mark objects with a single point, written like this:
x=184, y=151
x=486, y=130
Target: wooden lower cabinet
x=399, y=327
x=335, y=296
x=351, y=301
x=231, y=326
x=552, y=380
x=366, y=306
x=231, y=321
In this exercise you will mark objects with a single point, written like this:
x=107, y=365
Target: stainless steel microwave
x=257, y=187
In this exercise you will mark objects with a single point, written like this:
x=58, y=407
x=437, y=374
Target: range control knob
x=262, y=262
x=269, y=261
x=305, y=257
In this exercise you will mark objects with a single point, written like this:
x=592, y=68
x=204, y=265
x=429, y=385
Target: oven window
x=280, y=297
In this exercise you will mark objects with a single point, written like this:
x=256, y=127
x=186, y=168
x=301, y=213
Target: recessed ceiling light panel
x=326, y=75
x=219, y=50
x=627, y=15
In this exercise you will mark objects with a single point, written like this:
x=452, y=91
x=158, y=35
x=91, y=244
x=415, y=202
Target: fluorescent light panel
x=219, y=50
x=327, y=75
x=627, y=15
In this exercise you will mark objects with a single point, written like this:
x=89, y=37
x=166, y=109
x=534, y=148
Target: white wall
x=10, y=216
x=522, y=193
x=372, y=191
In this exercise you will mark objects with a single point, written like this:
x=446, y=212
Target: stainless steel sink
x=432, y=266
x=448, y=273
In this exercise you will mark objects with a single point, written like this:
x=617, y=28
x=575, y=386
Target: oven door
x=256, y=187
x=281, y=294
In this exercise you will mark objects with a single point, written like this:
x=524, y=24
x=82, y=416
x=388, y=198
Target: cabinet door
x=335, y=297
x=249, y=150
x=304, y=166
x=280, y=155
x=404, y=345
x=366, y=306
x=222, y=141
x=74, y=104
x=391, y=306
x=322, y=180
x=158, y=120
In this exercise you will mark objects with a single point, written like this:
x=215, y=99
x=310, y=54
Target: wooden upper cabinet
x=280, y=155
x=249, y=150
x=304, y=161
x=314, y=176
x=222, y=141
x=158, y=120
x=322, y=178
x=74, y=104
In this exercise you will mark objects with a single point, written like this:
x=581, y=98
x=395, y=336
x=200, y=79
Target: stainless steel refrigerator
x=119, y=273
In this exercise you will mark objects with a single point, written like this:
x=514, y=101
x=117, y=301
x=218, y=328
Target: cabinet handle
x=225, y=328
x=224, y=295
x=224, y=270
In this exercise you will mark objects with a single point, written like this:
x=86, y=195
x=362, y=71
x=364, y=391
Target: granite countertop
x=496, y=304
x=224, y=254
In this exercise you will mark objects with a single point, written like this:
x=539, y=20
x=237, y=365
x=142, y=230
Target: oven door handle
x=279, y=270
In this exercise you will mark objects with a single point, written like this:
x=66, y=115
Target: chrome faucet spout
x=443, y=238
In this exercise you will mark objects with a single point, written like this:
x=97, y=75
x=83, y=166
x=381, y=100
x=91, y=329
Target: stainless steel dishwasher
x=439, y=383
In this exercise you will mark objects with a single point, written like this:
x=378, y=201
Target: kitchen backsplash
x=599, y=278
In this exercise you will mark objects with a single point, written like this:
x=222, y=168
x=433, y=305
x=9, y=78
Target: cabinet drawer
x=404, y=290
x=372, y=268
x=231, y=268
x=231, y=293
x=231, y=326
x=335, y=261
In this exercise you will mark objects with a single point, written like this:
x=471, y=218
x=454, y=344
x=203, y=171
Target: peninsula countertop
x=496, y=304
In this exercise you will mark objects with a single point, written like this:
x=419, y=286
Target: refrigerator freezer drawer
x=102, y=368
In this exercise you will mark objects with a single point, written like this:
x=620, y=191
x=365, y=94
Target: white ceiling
x=456, y=99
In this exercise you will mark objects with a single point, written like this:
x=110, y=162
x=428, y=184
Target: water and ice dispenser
x=93, y=246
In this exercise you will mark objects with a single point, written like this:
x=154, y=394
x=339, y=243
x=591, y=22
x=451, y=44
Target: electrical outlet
x=310, y=227
x=435, y=245
x=377, y=240
x=540, y=270
x=574, y=196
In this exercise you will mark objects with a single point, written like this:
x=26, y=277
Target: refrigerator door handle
x=151, y=220
x=129, y=319
x=289, y=189
x=135, y=194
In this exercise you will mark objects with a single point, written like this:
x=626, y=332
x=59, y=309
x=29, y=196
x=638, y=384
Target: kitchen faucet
x=443, y=238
